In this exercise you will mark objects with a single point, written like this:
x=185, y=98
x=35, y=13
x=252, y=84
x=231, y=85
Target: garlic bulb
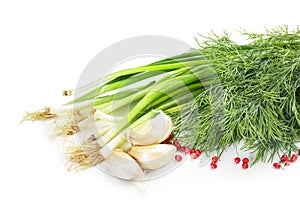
x=152, y=131
x=153, y=156
x=122, y=165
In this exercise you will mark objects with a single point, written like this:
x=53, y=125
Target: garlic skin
x=153, y=156
x=122, y=165
x=152, y=131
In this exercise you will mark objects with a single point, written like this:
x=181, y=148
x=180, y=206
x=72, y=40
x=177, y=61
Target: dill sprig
x=257, y=99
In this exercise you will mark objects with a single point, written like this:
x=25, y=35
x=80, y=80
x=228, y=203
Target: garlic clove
x=153, y=156
x=153, y=131
x=122, y=165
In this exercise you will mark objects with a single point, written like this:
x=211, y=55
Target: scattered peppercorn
x=215, y=159
x=245, y=166
x=276, y=165
x=237, y=160
x=245, y=160
x=178, y=158
x=213, y=165
x=294, y=158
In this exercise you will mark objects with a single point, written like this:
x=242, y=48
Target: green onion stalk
x=217, y=95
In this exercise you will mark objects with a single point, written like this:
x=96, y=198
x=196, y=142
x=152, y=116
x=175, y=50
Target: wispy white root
x=82, y=156
x=93, y=150
x=44, y=114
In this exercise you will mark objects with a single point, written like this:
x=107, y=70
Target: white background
x=45, y=45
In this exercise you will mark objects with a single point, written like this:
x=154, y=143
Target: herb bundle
x=258, y=97
x=215, y=96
